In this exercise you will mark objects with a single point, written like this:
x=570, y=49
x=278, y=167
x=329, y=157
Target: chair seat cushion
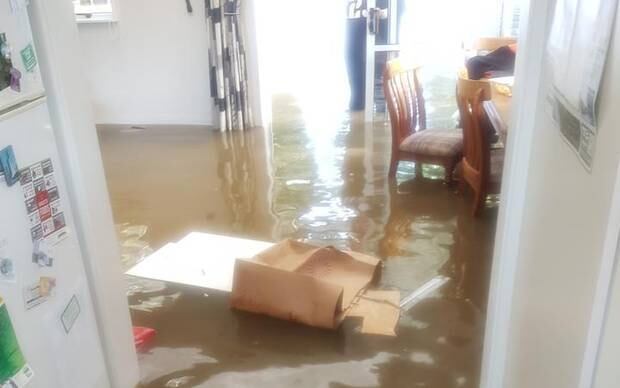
x=434, y=142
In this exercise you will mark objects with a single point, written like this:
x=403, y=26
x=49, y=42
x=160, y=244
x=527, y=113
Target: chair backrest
x=476, y=146
x=405, y=100
x=392, y=99
x=419, y=90
x=468, y=89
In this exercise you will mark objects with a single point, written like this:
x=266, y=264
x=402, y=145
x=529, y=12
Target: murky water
x=318, y=178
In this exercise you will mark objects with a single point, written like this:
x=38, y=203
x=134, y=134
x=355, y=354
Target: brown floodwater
x=317, y=178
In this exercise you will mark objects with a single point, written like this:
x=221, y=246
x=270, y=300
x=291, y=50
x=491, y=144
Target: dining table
x=499, y=110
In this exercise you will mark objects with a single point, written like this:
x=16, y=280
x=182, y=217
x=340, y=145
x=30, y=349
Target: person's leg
x=356, y=61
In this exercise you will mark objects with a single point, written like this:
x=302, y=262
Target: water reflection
x=237, y=177
x=322, y=182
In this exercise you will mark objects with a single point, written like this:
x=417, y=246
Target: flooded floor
x=321, y=179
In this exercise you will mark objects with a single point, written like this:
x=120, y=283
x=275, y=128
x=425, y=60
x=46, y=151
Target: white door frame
x=58, y=47
x=372, y=50
x=526, y=98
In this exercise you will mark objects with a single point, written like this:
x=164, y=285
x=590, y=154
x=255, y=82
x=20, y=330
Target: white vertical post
x=501, y=13
x=370, y=67
x=393, y=22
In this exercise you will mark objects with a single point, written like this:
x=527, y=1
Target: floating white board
x=199, y=259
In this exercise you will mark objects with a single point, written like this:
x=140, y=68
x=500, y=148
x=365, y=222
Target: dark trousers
x=356, y=61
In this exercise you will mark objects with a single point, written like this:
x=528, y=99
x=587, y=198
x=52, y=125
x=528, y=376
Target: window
x=511, y=16
x=93, y=10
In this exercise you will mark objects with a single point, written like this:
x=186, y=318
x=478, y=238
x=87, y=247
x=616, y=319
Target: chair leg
x=419, y=172
x=393, y=166
x=462, y=186
x=479, y=200
x=449, y=172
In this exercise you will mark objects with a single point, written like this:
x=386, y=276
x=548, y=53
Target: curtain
x=227, y=63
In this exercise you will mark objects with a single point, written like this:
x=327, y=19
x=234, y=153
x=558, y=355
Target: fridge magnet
x=70, y=314
x=8, y=165
x=6, y=65
x=7, y=267
x=16, y=80
x=25, y=179
x=29, y=58
x=47, y=285
x=39, y=292
x=42, y=254
x=42, y=200
x=14, y=371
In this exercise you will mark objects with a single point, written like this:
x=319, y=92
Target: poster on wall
x=42, y=199
x=14, y=371
x=576, y=55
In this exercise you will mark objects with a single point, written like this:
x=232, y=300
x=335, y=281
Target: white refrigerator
x=48, y=331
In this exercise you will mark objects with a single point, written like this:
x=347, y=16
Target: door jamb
x=527, y=95
x=371, y=50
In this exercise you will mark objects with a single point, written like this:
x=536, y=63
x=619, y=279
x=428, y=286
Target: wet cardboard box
x=316, y=286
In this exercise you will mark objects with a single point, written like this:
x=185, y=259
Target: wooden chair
x=468, y=88
x=481, y=169
x=411, y=141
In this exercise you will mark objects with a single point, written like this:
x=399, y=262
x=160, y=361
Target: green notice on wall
x=12, y=361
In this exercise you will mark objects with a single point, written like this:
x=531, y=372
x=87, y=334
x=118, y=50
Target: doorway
x=328, y=167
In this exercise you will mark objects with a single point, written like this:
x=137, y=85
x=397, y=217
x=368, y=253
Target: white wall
x=151, y=67
x=253, y=22
x=565, y=218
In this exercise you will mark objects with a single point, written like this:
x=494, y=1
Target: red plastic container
x=143, y=337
